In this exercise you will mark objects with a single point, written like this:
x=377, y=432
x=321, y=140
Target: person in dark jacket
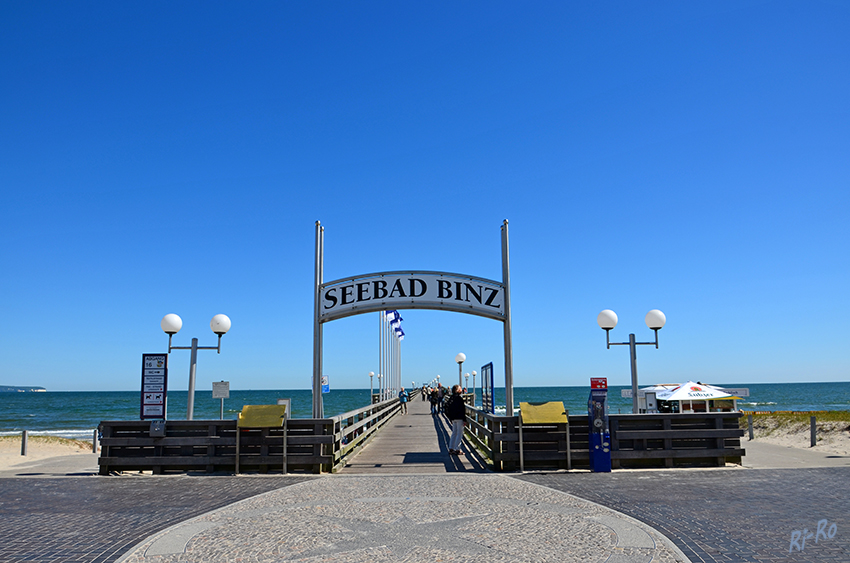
x=456, y=411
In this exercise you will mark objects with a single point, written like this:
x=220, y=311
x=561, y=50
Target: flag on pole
x=399, y=333
x=393, y=318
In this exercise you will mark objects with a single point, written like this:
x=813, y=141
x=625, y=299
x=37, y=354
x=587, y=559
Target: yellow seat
x=552, y=412
x=261, y=416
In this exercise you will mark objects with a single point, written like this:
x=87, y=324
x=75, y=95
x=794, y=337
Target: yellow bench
x=261, y=416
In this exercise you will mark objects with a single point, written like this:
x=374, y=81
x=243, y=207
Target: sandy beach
x=38, y=448
x=833, y=437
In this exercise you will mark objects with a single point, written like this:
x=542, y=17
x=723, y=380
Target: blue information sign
x=488, y=403
x=154, y=386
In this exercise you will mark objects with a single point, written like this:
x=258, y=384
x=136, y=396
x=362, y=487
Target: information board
x=154, y=386
x=221, y=390
x=487, y=399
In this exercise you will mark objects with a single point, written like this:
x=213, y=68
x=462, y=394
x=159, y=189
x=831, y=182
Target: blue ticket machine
x=600, y=435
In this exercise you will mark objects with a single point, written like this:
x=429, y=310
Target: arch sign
x=412, y=290
x=441, y=291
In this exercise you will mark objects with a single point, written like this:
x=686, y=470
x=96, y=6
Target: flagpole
x=379, y=355
x=384, y=360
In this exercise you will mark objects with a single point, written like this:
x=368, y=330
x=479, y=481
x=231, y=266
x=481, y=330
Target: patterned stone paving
x=96, y=520
x=728, y=516
x=416, y=519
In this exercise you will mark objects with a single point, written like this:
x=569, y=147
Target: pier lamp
x=371, y=387
x=171, y=325
x=654, y=319
x=466, y=380
x=380, y=386
x=460, y=358
x=474, y=373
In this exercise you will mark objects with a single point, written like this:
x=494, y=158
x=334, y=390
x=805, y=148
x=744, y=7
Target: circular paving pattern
x=480, y=518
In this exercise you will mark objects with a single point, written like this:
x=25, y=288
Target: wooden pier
x=379, y=439
x=416, y=442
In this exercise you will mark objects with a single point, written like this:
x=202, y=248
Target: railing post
x=750, y=424
x=814, y=432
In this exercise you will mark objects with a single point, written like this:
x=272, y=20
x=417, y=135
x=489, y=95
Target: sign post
x=154, y=386
x=221, y=390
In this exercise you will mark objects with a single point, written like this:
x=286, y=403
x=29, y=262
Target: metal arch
x=435, y=306
x=351, y=279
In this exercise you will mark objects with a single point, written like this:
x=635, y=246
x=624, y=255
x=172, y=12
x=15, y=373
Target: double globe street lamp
x=654, y=319
x=171, y=325
x=460, y=358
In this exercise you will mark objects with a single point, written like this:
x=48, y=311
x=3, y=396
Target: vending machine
x=600, y=435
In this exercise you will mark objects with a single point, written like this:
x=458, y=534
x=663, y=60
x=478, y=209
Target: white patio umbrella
x=691, y=392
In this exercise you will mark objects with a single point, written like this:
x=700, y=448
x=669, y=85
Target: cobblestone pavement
x=96, y=520
x=729, y=516
x=473, y=518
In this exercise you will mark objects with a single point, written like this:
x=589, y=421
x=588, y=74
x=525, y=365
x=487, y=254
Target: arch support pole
x=509, y=360
x=317, y=325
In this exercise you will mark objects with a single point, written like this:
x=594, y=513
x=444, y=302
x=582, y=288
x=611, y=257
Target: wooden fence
x=326, y=444
x=312, y=445
x=637, y=441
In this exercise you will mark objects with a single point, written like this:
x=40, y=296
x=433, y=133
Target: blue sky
x=173, y=158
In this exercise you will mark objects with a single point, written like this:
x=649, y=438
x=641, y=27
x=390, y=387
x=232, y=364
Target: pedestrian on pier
x=402, y=398
x=434, y=398
x=456, y=411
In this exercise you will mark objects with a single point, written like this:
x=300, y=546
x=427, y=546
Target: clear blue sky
x=174, y=157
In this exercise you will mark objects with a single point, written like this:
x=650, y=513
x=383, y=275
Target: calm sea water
x=77, y=414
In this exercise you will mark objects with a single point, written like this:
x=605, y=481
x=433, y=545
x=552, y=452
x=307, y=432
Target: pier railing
x=637, y=441
x=313, y=445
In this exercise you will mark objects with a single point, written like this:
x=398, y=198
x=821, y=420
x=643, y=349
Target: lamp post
x=654, y=319
x=466, y=380
x=380, y=387
x=474, y=373
x=460, y=358
x=371, y=388
x=171, y=325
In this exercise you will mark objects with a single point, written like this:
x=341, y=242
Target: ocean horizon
x=75, y=414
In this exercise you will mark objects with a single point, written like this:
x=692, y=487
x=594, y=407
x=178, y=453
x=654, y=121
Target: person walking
x=456, y=411
x=432, y=396
x=402, y=399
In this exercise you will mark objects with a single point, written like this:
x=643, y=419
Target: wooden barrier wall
x=313, y=445
x=637, y=440
x=324, y=445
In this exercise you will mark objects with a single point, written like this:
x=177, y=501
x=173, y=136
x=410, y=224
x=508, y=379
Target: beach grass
x=46, y=441
x=780, y=423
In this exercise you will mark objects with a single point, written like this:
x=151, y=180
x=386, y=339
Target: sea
x=76, y=414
